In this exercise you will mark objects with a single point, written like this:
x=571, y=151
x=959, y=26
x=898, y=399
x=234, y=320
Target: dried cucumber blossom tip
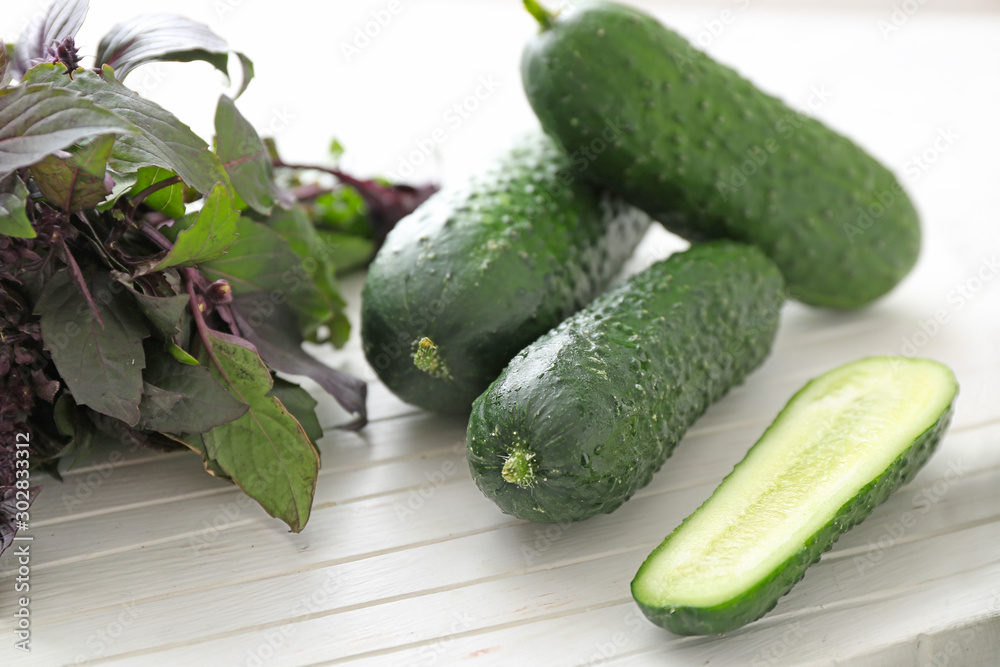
x=519, y=468
x=427, y=359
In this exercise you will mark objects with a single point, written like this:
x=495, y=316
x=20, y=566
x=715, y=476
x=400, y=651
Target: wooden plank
x=828, y=608
x=703, y=459
x=957, y=499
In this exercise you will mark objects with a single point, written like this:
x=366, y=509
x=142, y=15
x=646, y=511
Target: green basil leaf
x=77, y=182
x=205, y=234
x=301, y=404
x=169, y=201
x=266, y=451
x=13, y=212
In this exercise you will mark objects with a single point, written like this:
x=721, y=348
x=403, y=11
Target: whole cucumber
x=482, y=269
x=583, y=417
x=709, y=155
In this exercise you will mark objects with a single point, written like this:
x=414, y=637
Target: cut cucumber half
x=839, y=448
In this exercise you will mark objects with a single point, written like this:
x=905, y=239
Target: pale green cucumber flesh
x=838, y=449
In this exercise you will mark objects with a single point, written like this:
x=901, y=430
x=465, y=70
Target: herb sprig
x=151, y=285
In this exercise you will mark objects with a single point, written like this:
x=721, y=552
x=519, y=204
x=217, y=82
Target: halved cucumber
x=843, y=443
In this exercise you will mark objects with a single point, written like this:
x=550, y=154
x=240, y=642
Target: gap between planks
x=765, y=622
x=693, y=433
x=827, y=556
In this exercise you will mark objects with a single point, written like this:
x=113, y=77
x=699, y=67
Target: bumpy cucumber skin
x=484, y=269
x=762, y=598
x=669, y=129
x=601, y=401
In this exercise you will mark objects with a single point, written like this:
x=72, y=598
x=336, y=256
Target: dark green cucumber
x=843, y=443
x=583, y=417
x=479, y=271
x=709, y=155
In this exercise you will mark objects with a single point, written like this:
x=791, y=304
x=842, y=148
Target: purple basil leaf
x=278, y=342
x=113, y=431
x=5, y=65
x=248, y=72
x=166, y=313
x=260, y=260
x=37, y=120
x=101, y=366
x=165, y=37
x=184, y=399
x=62, y=19
x=76, y=276
x=161, y=140
x=230, y=339
x=157, y=402
x=387, y=204
x=245, y=157
x=293, y=225
x=76, y=182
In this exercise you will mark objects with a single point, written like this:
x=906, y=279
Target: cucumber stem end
x=519, y=468
x=545, y=18
x=427, y=358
